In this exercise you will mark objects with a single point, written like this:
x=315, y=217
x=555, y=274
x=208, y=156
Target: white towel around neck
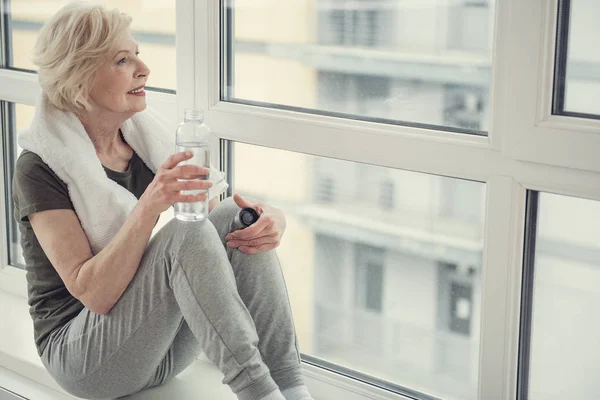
x=102, y=205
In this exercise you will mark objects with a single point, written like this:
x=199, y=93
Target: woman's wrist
x=145, y=212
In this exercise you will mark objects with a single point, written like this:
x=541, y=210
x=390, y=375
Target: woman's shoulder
x=27, y=162
x=30, y=166
x=35, y=187
x=28, y=159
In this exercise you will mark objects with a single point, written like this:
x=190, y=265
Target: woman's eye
x=121, y=61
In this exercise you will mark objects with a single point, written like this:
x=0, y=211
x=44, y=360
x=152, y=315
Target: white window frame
x=532, y=132
x=527, y=149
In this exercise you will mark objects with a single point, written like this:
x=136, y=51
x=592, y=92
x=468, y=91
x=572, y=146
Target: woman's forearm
x=102, y=279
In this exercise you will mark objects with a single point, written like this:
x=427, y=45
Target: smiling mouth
x=137, y=91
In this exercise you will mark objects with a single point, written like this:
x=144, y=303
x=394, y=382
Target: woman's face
x=117, y=84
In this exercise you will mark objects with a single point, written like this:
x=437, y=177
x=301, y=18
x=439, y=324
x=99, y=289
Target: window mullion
x=4, y=261
x=207, y=42
x=502, y=266
x=530, y=239
x=3, y=127
x=186, y=71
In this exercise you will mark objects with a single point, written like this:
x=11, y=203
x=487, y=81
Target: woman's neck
x=103, y=130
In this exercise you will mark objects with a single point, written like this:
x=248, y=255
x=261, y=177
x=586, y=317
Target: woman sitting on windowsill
x=113, y=311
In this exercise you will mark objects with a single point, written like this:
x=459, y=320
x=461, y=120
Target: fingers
x=243, y=203
x=263, y=226
x=176, y=158
x=255, y=242
x=190, y=185
x=259, y=249
x=260, y=237
x=188, y=172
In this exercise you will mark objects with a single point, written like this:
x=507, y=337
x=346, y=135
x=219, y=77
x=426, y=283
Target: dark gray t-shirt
x=37, y=188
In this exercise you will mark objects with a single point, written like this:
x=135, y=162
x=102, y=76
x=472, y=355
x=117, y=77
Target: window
x=364, y=281
x=562, y=285
x=342, y=23
x=577, y=77
x=392, y=61
x=369, y=276
x=325, y=190
x=460, y=306
x=387, y=194
x=401, y=139
x=153, y=26
x=455, y=297
x=15, y=118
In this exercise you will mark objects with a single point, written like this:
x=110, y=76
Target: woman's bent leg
x=204, y=286
x=261, y=286
x=185, y=273
x=182, y=352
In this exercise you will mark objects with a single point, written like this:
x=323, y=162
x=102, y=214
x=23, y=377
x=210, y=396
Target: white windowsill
x=22, y=372
x=185, y=386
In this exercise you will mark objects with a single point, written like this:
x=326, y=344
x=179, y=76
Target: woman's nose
x=143, y=70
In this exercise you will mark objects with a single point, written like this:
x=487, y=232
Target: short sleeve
x=37, y=188
x=219, y=183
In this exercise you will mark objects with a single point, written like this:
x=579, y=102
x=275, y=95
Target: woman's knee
x=199, y=251
x=200, y=234
x=179, y=237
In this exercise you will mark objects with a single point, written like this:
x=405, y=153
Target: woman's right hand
x=164, y=190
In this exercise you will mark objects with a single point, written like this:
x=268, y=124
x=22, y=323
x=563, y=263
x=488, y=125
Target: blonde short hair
x=71, y=47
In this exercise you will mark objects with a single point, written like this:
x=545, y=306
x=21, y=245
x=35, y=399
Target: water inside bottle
x=194, y=211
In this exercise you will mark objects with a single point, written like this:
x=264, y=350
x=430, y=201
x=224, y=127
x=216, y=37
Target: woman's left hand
x=264, y=235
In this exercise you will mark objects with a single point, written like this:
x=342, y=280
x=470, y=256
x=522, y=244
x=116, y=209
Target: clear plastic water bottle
x=193, y=135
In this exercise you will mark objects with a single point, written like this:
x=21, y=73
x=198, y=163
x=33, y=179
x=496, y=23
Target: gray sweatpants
x=190, y=294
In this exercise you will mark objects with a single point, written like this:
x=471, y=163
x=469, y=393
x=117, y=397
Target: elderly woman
x=113, y=318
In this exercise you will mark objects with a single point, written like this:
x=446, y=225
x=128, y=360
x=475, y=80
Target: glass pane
x=22, y=117
x=580, y=80
x=399, y=62
x=384, y=276
x=153, y=27
x=565, y=334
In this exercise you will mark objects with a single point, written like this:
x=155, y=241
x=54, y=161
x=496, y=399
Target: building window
x=369, y=271
x=461, y=305
x=325, y=192
x=355, y=23
x=455, y=301
x=387, y=195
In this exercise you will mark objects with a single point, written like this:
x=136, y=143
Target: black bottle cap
x=248, y=216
